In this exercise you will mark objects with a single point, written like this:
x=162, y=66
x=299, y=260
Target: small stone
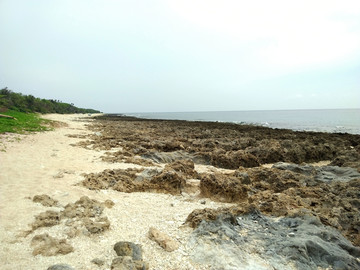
x=203, y=202
x=124, y=248
x=109, y=203
x=98, y=262
x=97, y=226
x=163, y=240
x=60, y=267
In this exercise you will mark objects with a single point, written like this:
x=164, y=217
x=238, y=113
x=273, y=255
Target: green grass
x=26, y=122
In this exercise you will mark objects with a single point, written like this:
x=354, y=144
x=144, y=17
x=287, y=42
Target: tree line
x=28, y=103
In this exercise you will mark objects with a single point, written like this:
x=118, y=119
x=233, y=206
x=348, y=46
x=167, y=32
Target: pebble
x=98, y=262
x=60, y=267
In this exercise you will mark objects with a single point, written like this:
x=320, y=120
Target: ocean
x=334, y=121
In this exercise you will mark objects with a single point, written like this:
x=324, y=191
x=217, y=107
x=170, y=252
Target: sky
x=122, y=56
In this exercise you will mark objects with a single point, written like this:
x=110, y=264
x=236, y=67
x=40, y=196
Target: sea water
x=337, y=120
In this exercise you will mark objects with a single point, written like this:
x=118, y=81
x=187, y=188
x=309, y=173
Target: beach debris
x=164, y=241
x=46, y=245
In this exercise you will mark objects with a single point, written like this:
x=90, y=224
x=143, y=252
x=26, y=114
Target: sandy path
x=46, y=163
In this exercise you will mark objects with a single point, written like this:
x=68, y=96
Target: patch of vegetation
x=28, y=103
x=24, y=122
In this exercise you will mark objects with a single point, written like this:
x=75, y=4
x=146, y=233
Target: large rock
x=168, y=181
x=223, y=187
x=137, y=180
x=233, y=159
x=169, y=157
x=325, y=174
x=185, y=167
x=255, y=241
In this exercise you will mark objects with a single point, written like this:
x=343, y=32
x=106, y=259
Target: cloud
x=282, y=34
x=183, y=55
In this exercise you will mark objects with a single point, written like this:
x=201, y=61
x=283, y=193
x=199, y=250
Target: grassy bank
x=25, y=122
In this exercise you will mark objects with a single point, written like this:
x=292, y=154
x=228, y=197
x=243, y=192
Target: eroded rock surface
x=172, y=179
x=223, y=145
x=46, y=245
x=282, y=192
x=255, y=241
x=286, y=216
x=323, y=173
x=330, y=192
x=84, y=213
x=45, y=200
x=129, y=257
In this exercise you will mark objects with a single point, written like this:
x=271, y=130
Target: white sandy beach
x=47, y=163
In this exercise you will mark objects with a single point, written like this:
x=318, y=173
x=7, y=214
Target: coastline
x=47, y=163
x=54, y=163
x=320, y=120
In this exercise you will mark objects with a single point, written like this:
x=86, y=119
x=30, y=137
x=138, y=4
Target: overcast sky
x=183, y=55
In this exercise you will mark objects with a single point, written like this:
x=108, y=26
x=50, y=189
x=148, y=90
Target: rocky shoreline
x=190, y=195
x=325, y=198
